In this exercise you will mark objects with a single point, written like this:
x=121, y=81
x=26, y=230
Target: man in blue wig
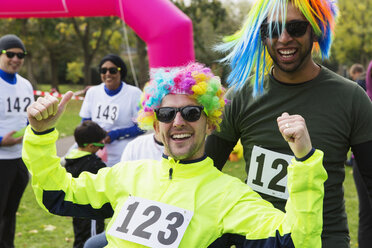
x=272, y=71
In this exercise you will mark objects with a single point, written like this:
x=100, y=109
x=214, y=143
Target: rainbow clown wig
x=195, y=80
x=247, y=52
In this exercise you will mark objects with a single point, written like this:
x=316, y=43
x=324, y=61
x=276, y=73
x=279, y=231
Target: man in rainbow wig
x=273, y=71
x=182, y=200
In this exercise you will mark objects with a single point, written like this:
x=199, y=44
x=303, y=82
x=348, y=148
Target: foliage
x=74, y=71
x=206, y=16
x=54, y=43
x=94, y=34
x=354, y=32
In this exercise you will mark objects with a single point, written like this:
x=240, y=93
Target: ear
x=155, y=125
x=210, y=128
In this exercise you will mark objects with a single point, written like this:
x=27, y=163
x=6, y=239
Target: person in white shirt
x=143, y=147
x=113, y=105
x=16, y=94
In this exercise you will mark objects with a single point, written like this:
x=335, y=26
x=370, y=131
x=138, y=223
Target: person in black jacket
x=89, y=137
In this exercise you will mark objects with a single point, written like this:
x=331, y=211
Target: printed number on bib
x=268, y=172
x=15, y=105
x=106, y=113
x=151, y=223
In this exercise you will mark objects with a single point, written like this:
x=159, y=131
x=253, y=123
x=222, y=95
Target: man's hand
x=294, y=131
x=9, y=140
x=45, y=112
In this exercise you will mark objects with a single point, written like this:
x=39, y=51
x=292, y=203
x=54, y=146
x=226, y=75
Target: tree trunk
x=143, y=68
x=54, y=70
x=28, y=61
x=86, y=69
x=30, y=74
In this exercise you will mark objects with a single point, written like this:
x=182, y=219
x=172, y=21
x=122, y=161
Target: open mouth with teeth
x=181, y=136
x=287, y=53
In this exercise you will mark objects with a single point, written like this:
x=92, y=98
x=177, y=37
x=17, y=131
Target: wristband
x=307, y=156
x=43, y=132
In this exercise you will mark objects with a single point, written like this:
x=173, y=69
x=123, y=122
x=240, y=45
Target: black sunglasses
x=112, y=70
x=295, y=29
x=12, y=54
x=188, y=113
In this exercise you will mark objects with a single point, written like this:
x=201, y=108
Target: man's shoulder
x=329, y=75
x=245, y=90
x=137, y=167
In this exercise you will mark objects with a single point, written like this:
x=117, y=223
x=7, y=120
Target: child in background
x=89, y=137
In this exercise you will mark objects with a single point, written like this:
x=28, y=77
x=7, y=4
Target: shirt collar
x=8, y=77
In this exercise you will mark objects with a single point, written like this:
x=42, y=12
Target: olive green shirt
x=338, y=114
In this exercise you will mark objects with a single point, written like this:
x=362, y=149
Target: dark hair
x=117, y=61
x=88, y=132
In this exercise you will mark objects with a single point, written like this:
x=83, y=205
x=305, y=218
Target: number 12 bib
x=268, y=172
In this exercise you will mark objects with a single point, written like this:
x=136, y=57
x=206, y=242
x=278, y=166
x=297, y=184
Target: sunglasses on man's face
x=188, y=113
x=111, y=70
x=12, y=54
x=100, y=145
x=295, y=29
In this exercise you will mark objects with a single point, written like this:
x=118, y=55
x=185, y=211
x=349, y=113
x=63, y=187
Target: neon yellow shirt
x=220, y=203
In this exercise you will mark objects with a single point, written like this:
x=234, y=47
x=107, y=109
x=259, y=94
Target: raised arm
x=56, y=190
x=301, y=225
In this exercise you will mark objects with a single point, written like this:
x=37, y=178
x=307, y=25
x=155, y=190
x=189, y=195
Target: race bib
x=106, y=113
x=151, y=223
x=268, y=172
x=16, y=105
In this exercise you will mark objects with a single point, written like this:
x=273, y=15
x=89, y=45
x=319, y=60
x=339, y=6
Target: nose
x=16, y=58
x=178, y=120
x=285, y=37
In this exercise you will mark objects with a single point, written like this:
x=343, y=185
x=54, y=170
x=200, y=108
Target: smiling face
x=11, y=65
x=112, y=81
x=291, y=55
x=182, y=140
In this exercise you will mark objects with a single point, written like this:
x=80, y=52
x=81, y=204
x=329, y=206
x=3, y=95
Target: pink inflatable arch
x=166, y=30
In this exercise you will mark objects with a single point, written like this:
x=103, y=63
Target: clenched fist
x=294, y=131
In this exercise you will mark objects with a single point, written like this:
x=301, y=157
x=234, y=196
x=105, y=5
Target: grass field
x=38, y=229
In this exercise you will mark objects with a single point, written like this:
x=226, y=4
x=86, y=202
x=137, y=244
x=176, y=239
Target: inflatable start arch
x=166, y=30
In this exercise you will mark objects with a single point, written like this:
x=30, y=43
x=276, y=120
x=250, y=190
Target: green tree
x=353, y=42
x=206, y=16
x=212, y=20
x=93, y=34
x=54, y=42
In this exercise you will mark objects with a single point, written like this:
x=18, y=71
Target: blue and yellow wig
x=194, y=80
x=247, y=52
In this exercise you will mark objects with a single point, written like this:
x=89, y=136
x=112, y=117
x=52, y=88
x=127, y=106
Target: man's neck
x=307, y=73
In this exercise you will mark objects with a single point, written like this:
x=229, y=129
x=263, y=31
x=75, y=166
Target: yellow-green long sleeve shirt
x=220, y=203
